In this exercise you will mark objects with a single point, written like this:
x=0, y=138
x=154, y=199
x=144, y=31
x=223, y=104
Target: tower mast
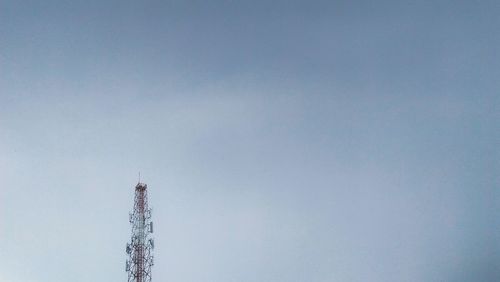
x=140, y=247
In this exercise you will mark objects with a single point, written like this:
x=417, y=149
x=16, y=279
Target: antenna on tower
x=139, y=177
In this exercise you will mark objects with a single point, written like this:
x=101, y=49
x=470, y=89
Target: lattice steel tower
x=140, y=248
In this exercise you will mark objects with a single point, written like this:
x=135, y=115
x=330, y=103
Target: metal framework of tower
x=140, y=248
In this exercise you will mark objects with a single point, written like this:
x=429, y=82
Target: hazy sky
x=281, y=141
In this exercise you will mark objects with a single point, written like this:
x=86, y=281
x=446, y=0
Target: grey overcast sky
x=282, y=141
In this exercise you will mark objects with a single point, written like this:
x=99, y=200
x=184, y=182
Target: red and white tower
x=140, y=248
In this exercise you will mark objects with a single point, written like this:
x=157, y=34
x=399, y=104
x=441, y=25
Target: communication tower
x=140, y=248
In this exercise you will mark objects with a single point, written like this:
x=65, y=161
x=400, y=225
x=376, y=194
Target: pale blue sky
x=282, y=141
